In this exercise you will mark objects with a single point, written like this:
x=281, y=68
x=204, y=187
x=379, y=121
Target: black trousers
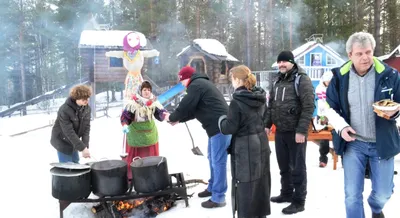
x=323, y=151
x=292, y=165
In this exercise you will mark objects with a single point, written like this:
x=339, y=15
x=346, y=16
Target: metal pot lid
x=55, y=171
x=108, y=164
x=148, y=161
x=71, y=166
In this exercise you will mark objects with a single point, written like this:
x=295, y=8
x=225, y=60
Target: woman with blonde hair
x=249, y=149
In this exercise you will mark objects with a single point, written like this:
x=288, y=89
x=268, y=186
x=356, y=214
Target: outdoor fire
x=142, y=208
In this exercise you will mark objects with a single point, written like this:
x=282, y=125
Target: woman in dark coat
x=249, y=149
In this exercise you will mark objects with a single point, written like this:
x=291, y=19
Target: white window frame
x=333, y=59
x=315, y=53
x=303, y=60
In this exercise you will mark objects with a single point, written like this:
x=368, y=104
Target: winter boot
x=281, y=199
x=293, y=208
x=211, y=204
x=378, y=215
x=204, y=194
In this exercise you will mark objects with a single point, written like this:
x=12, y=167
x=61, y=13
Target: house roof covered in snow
x=303, y=49
x=210, y=47
x=107, y=39
x=396, y=52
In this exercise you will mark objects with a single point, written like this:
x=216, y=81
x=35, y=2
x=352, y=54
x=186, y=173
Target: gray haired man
x=361, y=135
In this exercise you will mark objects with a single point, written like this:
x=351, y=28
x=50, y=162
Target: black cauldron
x=150, y=174
x=109, y=177
x=70, y=184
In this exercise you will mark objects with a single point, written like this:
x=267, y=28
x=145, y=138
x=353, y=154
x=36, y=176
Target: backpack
x=296, y=82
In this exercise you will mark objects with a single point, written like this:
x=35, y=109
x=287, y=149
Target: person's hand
x=166, y=116
x=267, y=131
x=323, y=120
x=173, y=123
x=346, y=134
x=86, y=153
x=300, y=138
x=125, y=128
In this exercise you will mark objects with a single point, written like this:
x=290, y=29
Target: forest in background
x=39, y=38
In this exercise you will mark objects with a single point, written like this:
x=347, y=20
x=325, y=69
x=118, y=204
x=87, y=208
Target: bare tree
x=21, y=54
x=377, y=24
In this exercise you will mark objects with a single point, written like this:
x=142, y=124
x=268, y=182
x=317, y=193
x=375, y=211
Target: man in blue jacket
x=361, y=135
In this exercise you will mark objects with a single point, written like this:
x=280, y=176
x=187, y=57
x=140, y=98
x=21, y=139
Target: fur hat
x=80, y=92
x=186, y=72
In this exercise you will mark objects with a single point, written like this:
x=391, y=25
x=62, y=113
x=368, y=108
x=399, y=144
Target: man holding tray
x=360, y=134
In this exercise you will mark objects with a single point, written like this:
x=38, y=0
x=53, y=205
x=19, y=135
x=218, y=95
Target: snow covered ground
x=26, y=180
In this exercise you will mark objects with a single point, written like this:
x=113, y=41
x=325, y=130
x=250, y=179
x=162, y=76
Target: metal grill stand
x=178, y=188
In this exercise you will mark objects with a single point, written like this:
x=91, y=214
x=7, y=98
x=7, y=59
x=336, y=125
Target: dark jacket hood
x=253, y=98
x=198, y=76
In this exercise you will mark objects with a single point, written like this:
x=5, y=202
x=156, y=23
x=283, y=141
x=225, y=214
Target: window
x=330, y=60
x=116, y=62
x=300, y=60
x=316, y=59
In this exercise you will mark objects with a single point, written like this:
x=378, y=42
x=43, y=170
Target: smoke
x=339, y=46
x=171, y=38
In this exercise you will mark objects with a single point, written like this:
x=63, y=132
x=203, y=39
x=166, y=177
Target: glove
x=125, y=129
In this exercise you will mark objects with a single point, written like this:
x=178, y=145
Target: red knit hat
x=186, y=72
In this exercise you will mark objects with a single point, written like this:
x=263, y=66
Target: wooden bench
x=316, y=136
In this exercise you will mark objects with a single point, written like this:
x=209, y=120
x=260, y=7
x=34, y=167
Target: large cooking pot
x=70, y=184
x=150, y=174
x=109, y=177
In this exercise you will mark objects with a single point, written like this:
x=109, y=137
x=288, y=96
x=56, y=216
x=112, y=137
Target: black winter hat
x=286, y=56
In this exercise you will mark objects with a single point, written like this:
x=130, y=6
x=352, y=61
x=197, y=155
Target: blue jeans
x=217, y=156
x=64, y=158
x=355, y=158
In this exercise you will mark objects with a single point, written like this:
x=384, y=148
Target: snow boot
x=211, y=204
x=378, y=215
x=281, y=199
x=204, y=194
x=293, y=208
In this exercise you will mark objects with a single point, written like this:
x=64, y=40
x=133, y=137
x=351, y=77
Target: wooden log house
x=210, y=57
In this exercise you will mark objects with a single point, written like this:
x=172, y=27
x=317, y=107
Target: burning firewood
x=160, y=204
x=98, y=208
x=126, y=206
